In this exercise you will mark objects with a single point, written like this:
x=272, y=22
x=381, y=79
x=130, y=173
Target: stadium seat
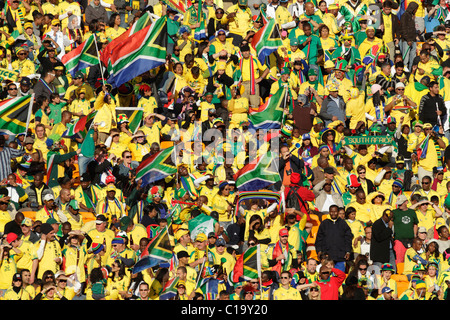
x=87, y=216
x=166, y=144
x=400, y=267
x=29, y=213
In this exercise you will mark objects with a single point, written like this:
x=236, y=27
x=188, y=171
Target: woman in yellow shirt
x=114, y=29
x=221, y=204
x=118, y=281
x=328, y=43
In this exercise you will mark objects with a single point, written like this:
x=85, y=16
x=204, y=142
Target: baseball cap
x=422, y=230
x=386, y=290
x=125, y=222
x=48, y=197
x=182, y=254
x=399, y=85
x=284, y=232
x=74, y=204
x=220, y=242
x=100, y=219
x=401, y=199
x=201, y=237
x=29, y=140
x=17, y=277
x=10, y=237
x=27, y=222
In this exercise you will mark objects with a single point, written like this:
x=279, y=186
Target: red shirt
x=329, y=290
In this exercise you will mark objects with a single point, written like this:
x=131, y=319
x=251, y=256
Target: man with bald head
x=63, y=199
x=14, y=225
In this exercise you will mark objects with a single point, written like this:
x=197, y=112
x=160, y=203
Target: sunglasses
x=314, y=289
x=362, y=269
x=284, y=277
x=62, y=280
x=10, y=89
x=128, y=157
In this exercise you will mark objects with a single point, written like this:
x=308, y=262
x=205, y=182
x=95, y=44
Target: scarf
x=378, y=113
x=106, y=205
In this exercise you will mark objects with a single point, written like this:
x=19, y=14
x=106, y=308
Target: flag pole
x=98, y=57
x=30, y=108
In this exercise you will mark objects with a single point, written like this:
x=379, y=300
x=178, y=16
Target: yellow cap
x=201, y=237
x=221, y=65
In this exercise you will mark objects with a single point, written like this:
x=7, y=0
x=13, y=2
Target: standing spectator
x=6, y=155
x=408, y=34
x=334, y=237
x=431, y=108
x=405, y=226
x=381, y=245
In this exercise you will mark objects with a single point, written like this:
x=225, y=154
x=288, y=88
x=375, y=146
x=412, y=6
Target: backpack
x=293, y=199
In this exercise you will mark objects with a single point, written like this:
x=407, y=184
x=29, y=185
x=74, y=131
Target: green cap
x=312, y=72
x=124, y=223
x=51, y=221
x=79, y=74
x=294, y=42
x=74, y=204
x=285, y=70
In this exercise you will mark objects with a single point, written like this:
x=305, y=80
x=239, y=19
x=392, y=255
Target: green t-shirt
x=55, y=111
x=404, y=222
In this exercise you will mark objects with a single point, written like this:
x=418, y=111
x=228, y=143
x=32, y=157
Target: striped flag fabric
x=267, y=40
x=143, y=22
x=159, y=250
x=248, y=266
x=422, y=148
x=209, y=287
x=134, y=115
x=15, y=114
x=82, y=57
x=177, y=5
x=258, y=174
x=270, y=114
x=170, y=289
x=156, y=167
x=143, y=51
